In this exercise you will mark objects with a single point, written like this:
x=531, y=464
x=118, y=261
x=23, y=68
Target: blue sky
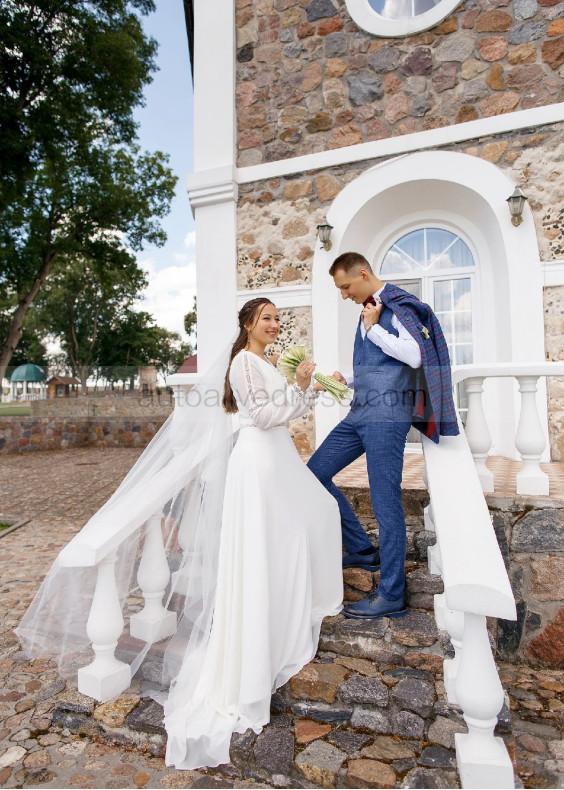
x=166, y=125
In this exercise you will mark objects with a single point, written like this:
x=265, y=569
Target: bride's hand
x=304, y=372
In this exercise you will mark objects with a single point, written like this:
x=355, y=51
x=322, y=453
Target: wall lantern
x=324, y=233
x=516, y=203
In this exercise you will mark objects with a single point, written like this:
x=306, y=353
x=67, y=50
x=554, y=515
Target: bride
x=260, y=553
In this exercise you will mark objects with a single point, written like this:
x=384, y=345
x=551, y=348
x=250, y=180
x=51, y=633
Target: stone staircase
x=369, y=711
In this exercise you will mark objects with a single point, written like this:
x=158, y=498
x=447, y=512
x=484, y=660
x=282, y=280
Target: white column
x=477, y=432
x=212, y=187
x=105, y=677
x=530, y=441
x=153, y=622
x=214, y=206
x=483, y=761
x=214, y=84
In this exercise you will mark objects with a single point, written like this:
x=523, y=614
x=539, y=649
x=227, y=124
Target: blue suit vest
x=384, y=387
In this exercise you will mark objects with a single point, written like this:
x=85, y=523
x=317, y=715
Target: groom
x=401, y=376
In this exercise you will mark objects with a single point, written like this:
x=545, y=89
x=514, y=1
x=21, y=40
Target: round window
x=399, y=17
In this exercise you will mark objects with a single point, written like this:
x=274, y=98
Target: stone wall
x=135, y=405
x=554, y=323
x=531, y=537
x=28, y=434
x=309, y=79
x=530, y=533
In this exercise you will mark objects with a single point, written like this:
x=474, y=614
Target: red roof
x=64, y=380
x=190, y=365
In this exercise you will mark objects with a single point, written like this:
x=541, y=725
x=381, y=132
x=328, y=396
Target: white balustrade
x=483, y=761
x=476, y=585
x=477, y=432
x=452, y=622
x=153, y=622
x=105, y=677
x=529, y=439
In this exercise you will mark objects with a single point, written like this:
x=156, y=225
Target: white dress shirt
x=403, y=347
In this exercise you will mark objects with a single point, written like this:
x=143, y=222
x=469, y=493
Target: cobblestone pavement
x=58, y=491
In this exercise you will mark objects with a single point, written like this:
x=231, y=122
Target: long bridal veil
x=178, y=482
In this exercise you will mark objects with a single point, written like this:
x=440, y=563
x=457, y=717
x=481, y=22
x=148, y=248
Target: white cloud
x=190, y=240
x=169, y=294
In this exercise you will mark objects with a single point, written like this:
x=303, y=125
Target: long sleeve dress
x=279, y=576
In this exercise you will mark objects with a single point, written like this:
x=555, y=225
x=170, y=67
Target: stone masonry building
x=406, y=125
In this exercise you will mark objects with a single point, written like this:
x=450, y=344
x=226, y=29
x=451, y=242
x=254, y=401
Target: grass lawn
x=15, y=409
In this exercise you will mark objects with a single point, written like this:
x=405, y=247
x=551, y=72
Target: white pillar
x=214, y=206
x=483, y=761
x=477, y=432
x=153, y=622
x=212, y=187
x=530, y=441
x=105, y=677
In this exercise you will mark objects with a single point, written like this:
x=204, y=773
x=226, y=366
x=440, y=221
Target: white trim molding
x=283, y=297
x=553, y=273
x=404, y=144
x=368, y=19
x=212, y=186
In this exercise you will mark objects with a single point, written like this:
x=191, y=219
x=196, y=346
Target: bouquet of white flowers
x=291, y=358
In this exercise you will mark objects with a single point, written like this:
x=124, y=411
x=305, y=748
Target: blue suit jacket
x=434, y=413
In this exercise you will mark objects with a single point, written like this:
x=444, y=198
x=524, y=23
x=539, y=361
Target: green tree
x=73, y=183
x=134, y=339
x=82, y=299
x=190, y=325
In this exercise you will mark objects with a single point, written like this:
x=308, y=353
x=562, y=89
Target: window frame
x=370, y=20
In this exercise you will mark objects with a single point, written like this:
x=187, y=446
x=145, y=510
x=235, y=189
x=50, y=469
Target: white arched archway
x=469, y=195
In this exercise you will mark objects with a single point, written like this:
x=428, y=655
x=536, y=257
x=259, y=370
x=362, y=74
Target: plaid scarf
x=434, y=413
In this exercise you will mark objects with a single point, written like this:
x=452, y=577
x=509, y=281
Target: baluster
x=153, y=622
x=105, y=677
x=477, y=432
x=483, y=761
x=451, y=621
x=530, y=440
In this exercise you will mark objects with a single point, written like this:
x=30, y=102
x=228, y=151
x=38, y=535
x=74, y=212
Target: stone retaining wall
x=135, y=405
x=309, y=79
x=26, y=434
x=530, y=533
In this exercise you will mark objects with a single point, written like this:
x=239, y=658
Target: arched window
x=391, y=18
x=438, y=267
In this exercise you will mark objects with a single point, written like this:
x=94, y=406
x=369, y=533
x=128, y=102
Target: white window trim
x=371, y=21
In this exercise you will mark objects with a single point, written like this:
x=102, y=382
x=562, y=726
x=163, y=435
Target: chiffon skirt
x=279, y=576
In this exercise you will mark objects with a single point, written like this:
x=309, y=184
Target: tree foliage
x=74, y=186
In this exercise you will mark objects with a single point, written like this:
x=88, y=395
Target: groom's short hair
x=350, y=262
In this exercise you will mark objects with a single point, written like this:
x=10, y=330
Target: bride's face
x=266, y=328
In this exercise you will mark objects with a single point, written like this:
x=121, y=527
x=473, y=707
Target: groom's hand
x=338, y=377
x=371, y=315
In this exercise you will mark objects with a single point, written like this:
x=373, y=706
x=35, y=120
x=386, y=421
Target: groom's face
x=353, y=285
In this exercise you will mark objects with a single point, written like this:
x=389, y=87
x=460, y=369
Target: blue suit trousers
x=384, y=444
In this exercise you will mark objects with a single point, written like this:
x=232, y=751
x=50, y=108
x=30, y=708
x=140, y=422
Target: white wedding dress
x=279, y=575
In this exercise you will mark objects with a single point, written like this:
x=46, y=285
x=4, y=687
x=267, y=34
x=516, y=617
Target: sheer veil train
x=180, y=477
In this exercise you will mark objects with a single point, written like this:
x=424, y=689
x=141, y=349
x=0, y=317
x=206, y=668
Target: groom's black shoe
x=368, y=562
x=374, y=606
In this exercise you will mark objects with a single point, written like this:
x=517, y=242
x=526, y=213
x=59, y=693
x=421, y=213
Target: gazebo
x=28, y=374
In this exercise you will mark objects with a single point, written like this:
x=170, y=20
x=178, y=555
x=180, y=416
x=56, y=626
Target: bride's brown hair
x=248, y=314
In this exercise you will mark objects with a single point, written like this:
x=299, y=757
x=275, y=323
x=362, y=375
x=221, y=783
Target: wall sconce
x=324, y=233
x=516, y=203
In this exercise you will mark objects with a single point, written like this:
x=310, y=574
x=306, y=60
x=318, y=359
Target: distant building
x=190, y=365
x=62, y=387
